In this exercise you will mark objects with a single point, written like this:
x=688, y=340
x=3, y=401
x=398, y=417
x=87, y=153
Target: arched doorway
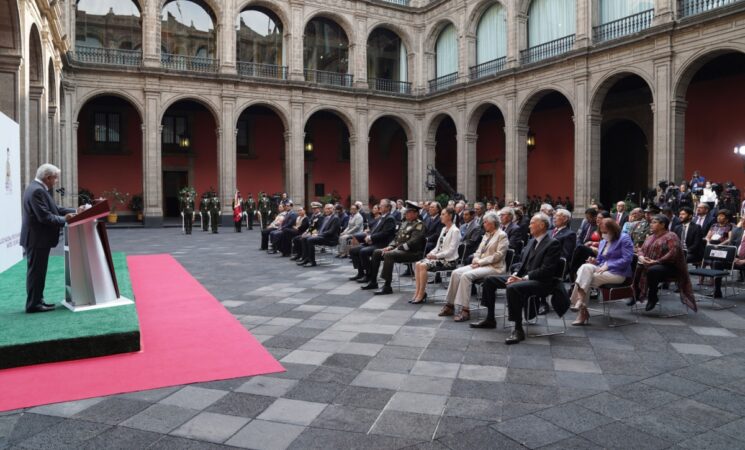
x=490, y=154
x=327, y=155
x=109, y=149
x=189, y=152
x=387, y=160
x=10, y=57
x=550, y=145
x=713, y=119
x=260, y=151
x=36, y=153
x=446, y=153
x=626, y=134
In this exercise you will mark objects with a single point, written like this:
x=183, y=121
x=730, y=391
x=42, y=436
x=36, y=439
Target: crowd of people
x=529, y=254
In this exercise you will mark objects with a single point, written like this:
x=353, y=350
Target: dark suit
x=694, y=242
x=284, y=243
x=433, y=226
x=42, y=220
x=540, y=264
x=707, y=222
x=622, y=220
x=471, y=239
x=568, y=240
x=328, y=234
x=516, y=237
x=380, y=236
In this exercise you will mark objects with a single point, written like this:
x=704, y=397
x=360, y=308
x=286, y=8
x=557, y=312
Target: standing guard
x=186, y=196
x=204, y=211
x=265, y=209
x=249, y=209
x=214, y=211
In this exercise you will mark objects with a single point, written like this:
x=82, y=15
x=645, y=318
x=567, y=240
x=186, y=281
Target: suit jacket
x=434, y=226
x=708, y=221
x=623, y=220
x=384, y=231
x=472, y=238
x=42, y=218
x=568, y=240
x=618, y=257
x=542, y=263
x=289, y=220
x=695, y=239
x=330, y=228
x=735, y=237
x=492, y=251
x=585, y=231
x=304, y=223
x=515, y=236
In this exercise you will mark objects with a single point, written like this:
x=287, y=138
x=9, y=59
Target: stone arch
x=213, y=8
x=405, y=124
x=343, y=115
x=10, y=36
x=601, y=88
x=340, y=20
x=277, y=109
x=211, y=107
x=35, y=57
x=400, y=32
x=474, y=116
x=526, y=108
x=474, y=17
x=693, y=64
x=434, y=32
x=11, y=54
x=435, y=122
x=275, y=7
x=124, y=95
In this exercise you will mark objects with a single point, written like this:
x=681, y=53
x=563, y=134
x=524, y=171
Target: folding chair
x=534, y=300
x=326, y=254
x=614, y=293
x=722, y=256
x=478, y=284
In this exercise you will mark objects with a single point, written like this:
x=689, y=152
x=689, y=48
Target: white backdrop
x=10, y=193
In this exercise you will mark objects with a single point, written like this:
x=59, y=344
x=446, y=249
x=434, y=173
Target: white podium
x=90, y=279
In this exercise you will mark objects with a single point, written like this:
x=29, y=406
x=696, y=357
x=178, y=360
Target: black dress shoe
x=302, y=262
x=650, y=304
x=516, y=336
x=370, y=285
x=385, y=290
x=309, y=264
x=486, y=323
x=48, y=305
x=40, y=308
x=295, y=258
x=717, y=294
x=359, y=276
x=273, y=252
x=631, y=302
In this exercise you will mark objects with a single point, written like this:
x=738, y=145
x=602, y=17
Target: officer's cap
x=411, y=206
x=652, y=209
x=315, y=205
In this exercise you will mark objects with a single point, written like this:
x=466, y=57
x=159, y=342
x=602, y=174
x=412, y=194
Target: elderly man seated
x=274, y=226
x=380, y=235
x=314, y=223
x=287, y=223
x=513, y=230
x=471, y=232
x=328, y=234
x=488, y=260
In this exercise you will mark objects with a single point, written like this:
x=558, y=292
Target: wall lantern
x=183, y=141
x=531, y=141
x=740, y=150
x=308, y=144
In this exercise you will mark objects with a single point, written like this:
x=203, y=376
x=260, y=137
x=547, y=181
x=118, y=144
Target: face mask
x=606, y=236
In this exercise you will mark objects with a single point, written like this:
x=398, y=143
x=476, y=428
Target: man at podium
x=42, y=220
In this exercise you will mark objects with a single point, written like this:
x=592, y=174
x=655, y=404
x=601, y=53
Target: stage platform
x=62, y=335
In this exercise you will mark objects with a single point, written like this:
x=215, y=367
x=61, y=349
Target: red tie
x=556, y=230
x=741, y=250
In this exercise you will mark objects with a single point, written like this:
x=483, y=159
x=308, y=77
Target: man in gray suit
x=42, y=220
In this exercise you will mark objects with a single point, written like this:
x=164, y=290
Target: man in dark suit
x=328, y=234
x=515, y=234
x=380, y=236
x=621, y=216
x=433, y=226
x=562, y=233
x=691, y=236
x=588, y=226
x=703, y=217
x=287, y=235
x=535, y=276
x=42, y=220
x=287, y=224
x=472, y=233
x=314, y=224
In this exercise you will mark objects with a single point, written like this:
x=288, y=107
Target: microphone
x=60, y=191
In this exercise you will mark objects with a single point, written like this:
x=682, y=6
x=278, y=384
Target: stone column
x=10, y=85
x=518, y=32
x=294, y=155
x=69, y=155
x=471, y=165
x=428, y=160
x=583, y=16
x=295, y=51
x=227, y=37
x=463, y=41
x=418, y=65
x=664, y=165
x=152, y=161
x=35, y=128
x=227, y=157
x=664, y=11
x=463, y=169
x=586, y=160
x=516, y=153
x=417, y=159
x=52, y=153
x=151, y=34
x=412, y=180
x=593, y=125
x=677, y=146
x=359, y=141
x=360, y=50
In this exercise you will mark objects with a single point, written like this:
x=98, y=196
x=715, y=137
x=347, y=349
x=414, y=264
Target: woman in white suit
x=488, y=260
x=443, y=257
x=354, y=226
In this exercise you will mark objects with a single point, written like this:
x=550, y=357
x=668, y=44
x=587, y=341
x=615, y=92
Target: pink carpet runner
x=187, y=337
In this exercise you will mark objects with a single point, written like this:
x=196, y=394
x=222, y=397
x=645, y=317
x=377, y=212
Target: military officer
x=249, y=208
x=187, y=209
x=204, y=210
x=265, y=208
x=407, y=246
x=214, y=212
x=316, y=221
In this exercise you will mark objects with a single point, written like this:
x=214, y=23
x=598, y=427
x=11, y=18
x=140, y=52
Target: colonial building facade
x=573, y=98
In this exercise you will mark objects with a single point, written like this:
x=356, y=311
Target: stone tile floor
x=377, y=372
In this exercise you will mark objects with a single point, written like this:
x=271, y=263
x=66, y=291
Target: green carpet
x=19, y=328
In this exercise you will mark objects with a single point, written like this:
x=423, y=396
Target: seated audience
x=661, y=259
x=328, y=234
x=514, y=231
x=703, y=217
x=589, y=247
x=284, y=243
x=470, y=232
x=640, y=231
x=433, y=225
x=719, y=232
x=444, y=256
x=273, y=226
x=612, y=266
x=691, y=236
x=287, y=223
x=635, y=216
x=380, y=235
x=353, y=227
x=562, y=233
x=314, y=223
x=488, y=260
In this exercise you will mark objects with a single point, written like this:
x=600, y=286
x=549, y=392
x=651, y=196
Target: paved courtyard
x=377, y=372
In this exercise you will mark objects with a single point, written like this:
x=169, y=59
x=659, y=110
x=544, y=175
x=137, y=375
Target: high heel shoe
x=420, y=301
x=575, y=307
x=583, y=318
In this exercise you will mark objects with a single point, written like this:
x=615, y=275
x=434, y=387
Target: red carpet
x=187, y=337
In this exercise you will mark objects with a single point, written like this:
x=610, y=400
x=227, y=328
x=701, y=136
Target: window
x=175, y=134
x=107, y=136
x=244, y=141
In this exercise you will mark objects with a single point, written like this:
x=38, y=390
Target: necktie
x=683, y=236
x=700, y=221
x=619, y=218
x=553, y=234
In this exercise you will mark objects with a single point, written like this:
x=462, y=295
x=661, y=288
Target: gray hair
x=546, y=207
x=564, y=212
x=492, y=217
x=543, y=218
x=507, y=211
x=46, y=170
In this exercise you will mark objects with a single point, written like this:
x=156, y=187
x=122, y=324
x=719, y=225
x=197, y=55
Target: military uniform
x=407, y=246
x=249, y=208
x=316, y=221
x=204, y=208
x=265, y=208
x=214, y=213
x=187, y=209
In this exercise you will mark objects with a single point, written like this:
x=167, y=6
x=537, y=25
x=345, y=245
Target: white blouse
x=447, y=244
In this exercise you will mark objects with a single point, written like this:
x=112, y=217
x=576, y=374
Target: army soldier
x=249, y=208
x=316, y=221
x=214, y=212
x=407, y=246
x=204, y=208
x=265, y=208
x=187, y=210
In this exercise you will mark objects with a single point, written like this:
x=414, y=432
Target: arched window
x=446, y=52
x=325, y=46
x=549, y=20
x=108, y=24
x=187, y=27
x=259, y=37
x=611, y=10
x=386, y=58
x=491, y=35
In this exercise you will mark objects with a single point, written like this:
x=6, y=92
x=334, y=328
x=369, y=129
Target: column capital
x=143, y=127
x=75, y=125
x=471, y=137
x=218, y=131
x=679, y=105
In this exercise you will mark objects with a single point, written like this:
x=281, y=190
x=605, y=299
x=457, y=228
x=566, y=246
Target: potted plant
x=136, y=205
x=116, y=200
